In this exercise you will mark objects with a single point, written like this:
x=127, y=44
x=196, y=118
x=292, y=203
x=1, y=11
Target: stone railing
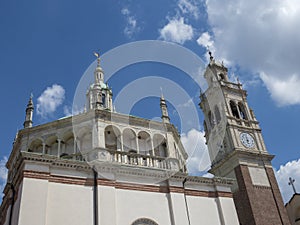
x=231, y=85
x=102, y=155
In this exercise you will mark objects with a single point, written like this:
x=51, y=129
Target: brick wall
x=258, y=205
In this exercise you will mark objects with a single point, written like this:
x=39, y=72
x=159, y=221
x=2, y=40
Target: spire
x=164, y=110
x=29, y=113
x=98, y=73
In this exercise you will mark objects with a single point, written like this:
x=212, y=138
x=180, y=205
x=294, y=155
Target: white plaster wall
x=179, y=209
x=132, y=205
x=203, y=210
x=33, y=202
x=69, y=204
x=107, y=205
x=229, y=211
x=49, y=203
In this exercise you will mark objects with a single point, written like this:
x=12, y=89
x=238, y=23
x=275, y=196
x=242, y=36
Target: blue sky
x=49, y=44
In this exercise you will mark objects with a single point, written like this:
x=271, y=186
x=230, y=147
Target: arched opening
x=144, y=142
x=129, y=140
x=205, y=128
x=36, y=146
x=51, y=145
x=144, y=221
x=234, y=109
x=112, y=138
x=222, y=77
x=217, y=114
x=86, y=142
x=68, y=144
x=160, y=145
x=103, y=100
x=242, y=110
x=211, y=119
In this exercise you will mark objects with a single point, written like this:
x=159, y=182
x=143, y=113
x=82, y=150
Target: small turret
x=164, y=110
x=99, y=95
x=29, y=113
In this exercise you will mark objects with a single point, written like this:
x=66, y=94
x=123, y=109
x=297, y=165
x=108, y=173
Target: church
x=101, y=167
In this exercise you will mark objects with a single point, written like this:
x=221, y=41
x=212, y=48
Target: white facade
x=50, y=194
x=105, y=168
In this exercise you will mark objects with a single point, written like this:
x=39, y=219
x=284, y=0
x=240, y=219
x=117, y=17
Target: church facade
x=103, y=167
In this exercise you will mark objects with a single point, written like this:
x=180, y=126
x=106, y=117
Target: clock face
x=247, y=140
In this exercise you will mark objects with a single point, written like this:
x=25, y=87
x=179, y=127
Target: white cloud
x=290, y=169
x=177, y=31
x=3, y=175
x=205, y=40
x=67, y=110
x=131, y=23
x=194, y=143
x=265, y=41
x=283, y=91
x=50, y=99
x=189, y=7
x=189, y=103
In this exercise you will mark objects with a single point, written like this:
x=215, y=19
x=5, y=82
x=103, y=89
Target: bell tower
x=237, y=150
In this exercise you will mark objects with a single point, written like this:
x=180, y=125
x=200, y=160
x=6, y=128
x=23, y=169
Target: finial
x=161, y=93
x=292, y=181
x=210, y=56
x=97, y=54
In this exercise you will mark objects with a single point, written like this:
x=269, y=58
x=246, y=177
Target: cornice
x=238, y=156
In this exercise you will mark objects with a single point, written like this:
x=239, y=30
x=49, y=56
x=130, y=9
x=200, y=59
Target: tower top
x=99, y=95
x=29, y=113
x=164, y=109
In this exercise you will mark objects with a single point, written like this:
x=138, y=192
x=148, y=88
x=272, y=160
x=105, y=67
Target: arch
x=144, y=221
x=112, y=137
x=129, y=140
x=160, y=145
x=243, y=114
x=51, y=147
x=234, y=109
x=36, y=146
x=217, y=114
x=144, y=142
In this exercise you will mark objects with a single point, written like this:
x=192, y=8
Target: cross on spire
x=292, y=181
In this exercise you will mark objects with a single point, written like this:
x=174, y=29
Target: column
x=58, y=148
x=44, y=148
x=137, y=144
